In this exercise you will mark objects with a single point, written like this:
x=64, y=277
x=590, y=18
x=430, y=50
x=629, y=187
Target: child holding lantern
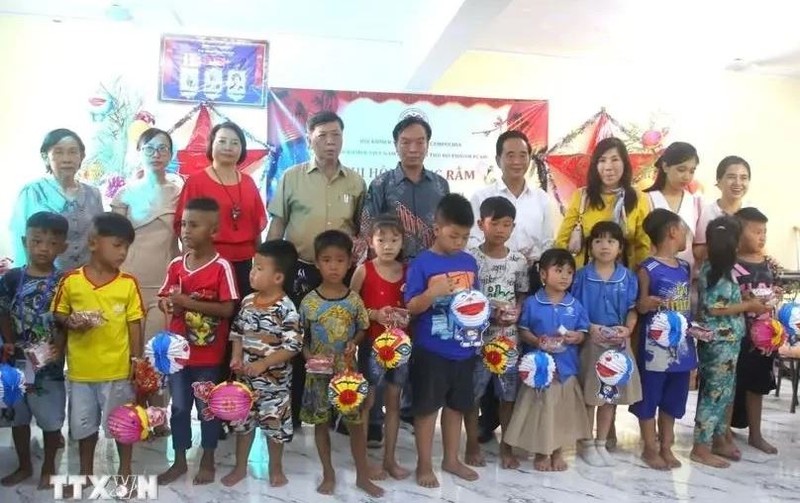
x=380, y=283
x=198, y=295
x=503, y=275
x=334, y=320
x=266, y=336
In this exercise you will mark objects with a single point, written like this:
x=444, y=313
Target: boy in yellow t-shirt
x=99, y=354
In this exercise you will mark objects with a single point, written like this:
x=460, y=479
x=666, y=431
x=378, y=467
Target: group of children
x=575, y=315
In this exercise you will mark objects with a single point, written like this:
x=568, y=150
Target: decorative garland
x=209, y=106
x=544, y=172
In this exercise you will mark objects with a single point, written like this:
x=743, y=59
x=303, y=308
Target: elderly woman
x=609, y=195
x=63, y=152
x=242, y=213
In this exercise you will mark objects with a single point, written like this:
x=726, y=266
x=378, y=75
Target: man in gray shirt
x=409, y=191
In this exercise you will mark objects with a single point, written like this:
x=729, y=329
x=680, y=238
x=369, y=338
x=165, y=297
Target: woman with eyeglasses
x=63, y=152
x=149, y=201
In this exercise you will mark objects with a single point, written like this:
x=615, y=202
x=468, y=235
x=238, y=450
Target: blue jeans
x=180, y=387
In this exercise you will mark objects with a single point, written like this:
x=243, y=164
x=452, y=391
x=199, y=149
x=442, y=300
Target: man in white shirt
x=535, y=227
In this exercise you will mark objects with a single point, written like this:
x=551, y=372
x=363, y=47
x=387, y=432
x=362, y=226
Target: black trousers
x=489, y=419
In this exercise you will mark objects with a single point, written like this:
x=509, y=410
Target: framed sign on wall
x=223, y=71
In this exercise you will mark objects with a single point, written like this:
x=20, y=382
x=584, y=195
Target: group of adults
x=323, y=194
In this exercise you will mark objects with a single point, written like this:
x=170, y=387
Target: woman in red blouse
x=242, y=215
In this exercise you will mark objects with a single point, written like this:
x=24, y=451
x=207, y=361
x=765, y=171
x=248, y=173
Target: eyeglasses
x=161, y=149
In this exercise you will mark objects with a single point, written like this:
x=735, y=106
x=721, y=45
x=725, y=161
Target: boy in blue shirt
x=664, y=282
x=441, y=368
x=27, y=323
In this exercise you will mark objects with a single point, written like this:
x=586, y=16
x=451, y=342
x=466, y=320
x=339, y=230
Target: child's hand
x=440, y=286
x=623, y=334
x=382, y=316
x=256, y=368
x=165, y=305
x=755, y=306
x=80, y=322
x=237, y=365
x=573, y=337
x=180, y=300
x=651, y=303
x=350, y=349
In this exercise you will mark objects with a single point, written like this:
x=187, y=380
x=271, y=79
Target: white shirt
x=710, y=212
x=535, y=226
x=689, y=211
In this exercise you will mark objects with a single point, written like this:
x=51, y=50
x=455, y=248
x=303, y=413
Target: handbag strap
x=582, y=208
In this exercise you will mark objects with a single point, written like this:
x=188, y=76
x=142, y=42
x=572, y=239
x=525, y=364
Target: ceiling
x=739, y=35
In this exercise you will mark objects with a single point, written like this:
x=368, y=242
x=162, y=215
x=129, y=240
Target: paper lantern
x=768, y=335
x=614, y=369
x=12, y=386
x=347, y=391
x=537, y=369
x=500, y=354
x=228, y=401
x=131, y=423
x=146, y=380
x=168, y=352
x=469, y=314
x=789, y=316
x=652, y=138
x=668, y=329
x=392, y=348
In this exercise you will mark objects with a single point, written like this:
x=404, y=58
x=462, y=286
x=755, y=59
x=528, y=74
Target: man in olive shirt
x=310, y=198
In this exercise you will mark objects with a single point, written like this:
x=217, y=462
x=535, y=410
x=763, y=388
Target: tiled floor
x=757, y=478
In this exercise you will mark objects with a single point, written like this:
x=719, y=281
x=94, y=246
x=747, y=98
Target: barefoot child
x=721, y=309
x=26, y=322
x=99, y=355
x=380, y=283
x=266, y=336
x=664, y=282
x=442, y=369
x=503, y=275
x=755, y=375
x=334, y=320
x=552, y=320
x=608, y=291
x=198, y=294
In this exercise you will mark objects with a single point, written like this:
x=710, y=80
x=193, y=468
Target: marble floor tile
x=757, y=478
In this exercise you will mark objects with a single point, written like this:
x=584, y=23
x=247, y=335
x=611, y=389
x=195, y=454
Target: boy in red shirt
x=199, y=294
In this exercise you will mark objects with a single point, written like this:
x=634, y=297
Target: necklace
x=236, y=209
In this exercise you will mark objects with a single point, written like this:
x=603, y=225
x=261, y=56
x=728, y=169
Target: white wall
x=51, y=69
x=721, y=113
